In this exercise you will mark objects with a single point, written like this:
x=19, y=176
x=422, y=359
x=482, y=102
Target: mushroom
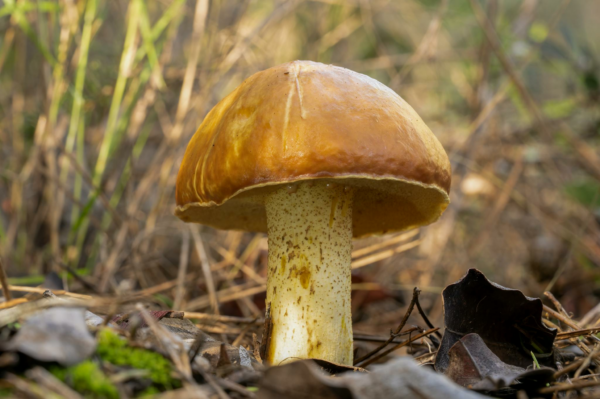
x=314, y=155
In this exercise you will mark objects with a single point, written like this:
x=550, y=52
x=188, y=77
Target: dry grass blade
x=237, y=388
x=238, y=264
x=126, y=63
x=556, y=304
x=7, y=42
x=13, y=302
x=390, y=241
x=590, y=316
x=566, y=320
x=499, y=206
x=586, y=362
x=562, y=318
x=200, y=13
x=51, y=383
x=577, y=333
x=28, y=388
x=569, y=387
x=242, y=45
x=4, y=282
x=167, y=285
x=492, y=37
x=567, y=369
x=427, y=45
x=376, y=257
x=242, y=334
x=25, y=309
x=38, y=290
x=588, y=155
x=221, y=318
x=207, y=273
x=214, y=385
x=225, y=295
x=182, y=272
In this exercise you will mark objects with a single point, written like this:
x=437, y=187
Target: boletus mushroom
x=314, y=155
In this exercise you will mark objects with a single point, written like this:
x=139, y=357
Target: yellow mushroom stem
x=308, y=289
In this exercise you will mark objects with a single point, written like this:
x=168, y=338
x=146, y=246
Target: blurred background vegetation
x=98, y=99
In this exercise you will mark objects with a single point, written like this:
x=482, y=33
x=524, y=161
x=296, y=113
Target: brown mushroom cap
x=305, y=120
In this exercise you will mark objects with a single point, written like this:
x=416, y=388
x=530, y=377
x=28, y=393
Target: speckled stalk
x=308, y=288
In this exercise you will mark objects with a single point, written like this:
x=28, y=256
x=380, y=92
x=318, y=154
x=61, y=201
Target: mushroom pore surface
x=308, y=289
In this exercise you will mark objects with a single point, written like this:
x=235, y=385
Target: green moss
x=115, y=350
x=88, y=379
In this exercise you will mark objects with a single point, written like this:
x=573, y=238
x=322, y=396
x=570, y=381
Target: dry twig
x=394, y=333
x=398, y=346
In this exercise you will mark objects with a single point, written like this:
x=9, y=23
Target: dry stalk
x=398, y=346
x=394, y=333
x=4, y=281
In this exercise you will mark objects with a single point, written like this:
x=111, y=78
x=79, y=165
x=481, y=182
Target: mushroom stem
x=308, y=287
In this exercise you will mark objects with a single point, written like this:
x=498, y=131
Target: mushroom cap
x=303, y=121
